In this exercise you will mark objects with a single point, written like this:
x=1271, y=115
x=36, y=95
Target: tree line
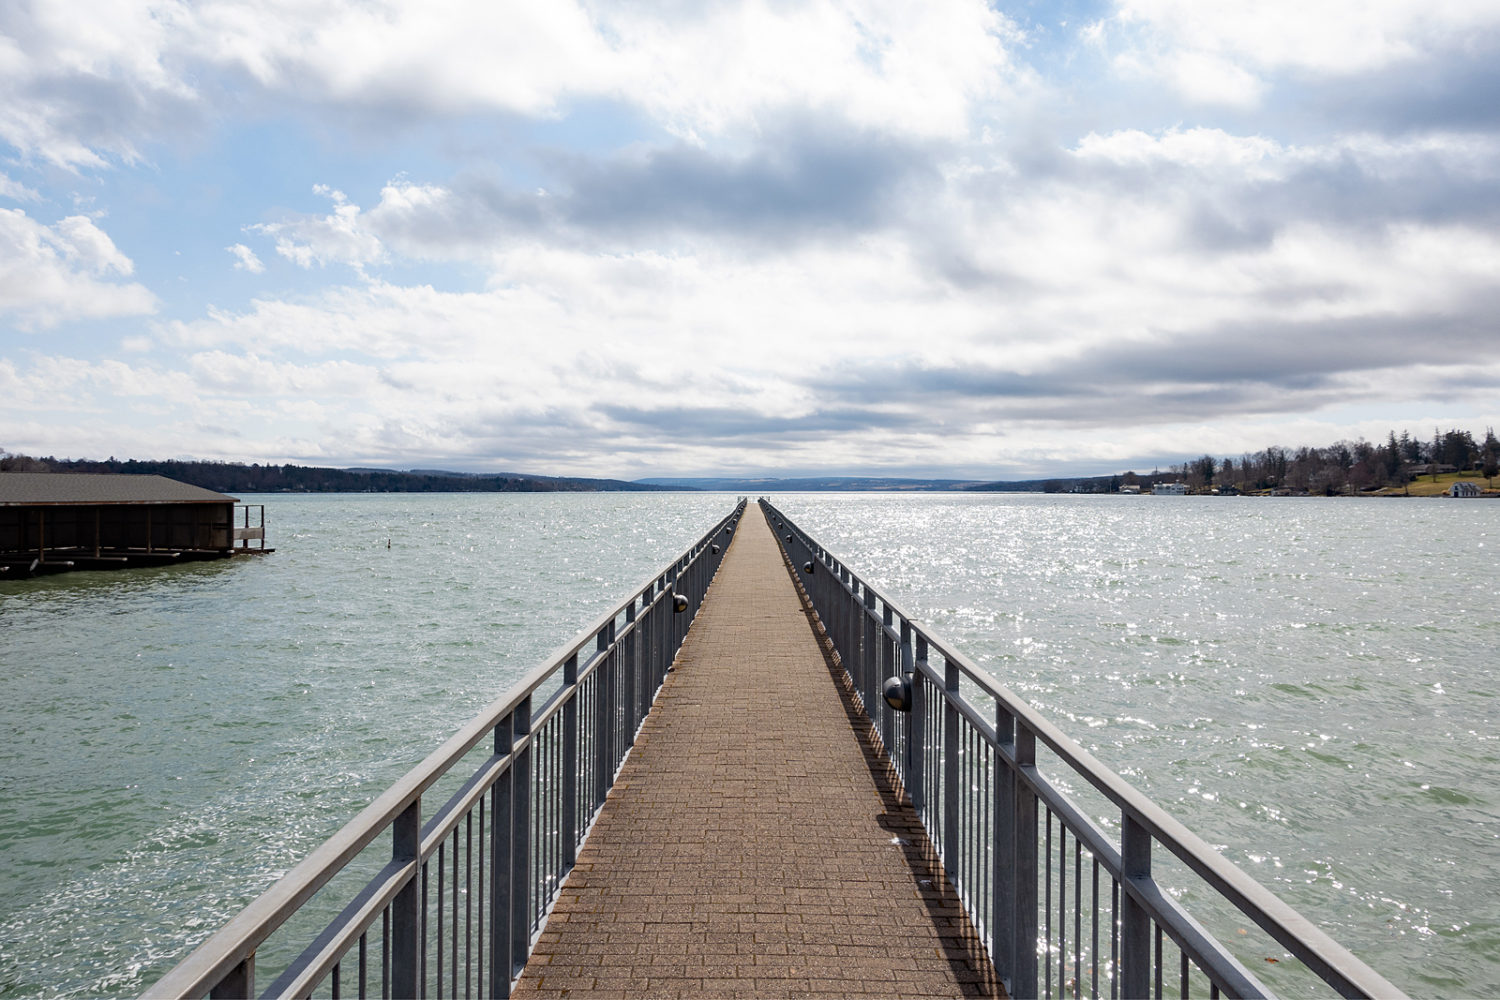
x=234, y=477
x=1358, y=466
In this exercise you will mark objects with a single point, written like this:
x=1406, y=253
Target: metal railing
x=1009, y=836
x=464, y=894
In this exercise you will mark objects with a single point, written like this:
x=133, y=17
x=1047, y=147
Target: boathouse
x=51, y=522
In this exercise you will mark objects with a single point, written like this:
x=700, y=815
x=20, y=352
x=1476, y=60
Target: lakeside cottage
x=1464, y=488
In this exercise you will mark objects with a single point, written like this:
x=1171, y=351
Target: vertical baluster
x=916, y=742
x=869, y=667
x=520, y=925
x=502, y=879
x=631, y=698
x=364, y=964
x=441, y=943
x=1077, y=918
x=1006, y=878
x=601, y=722
x=479, y=957
x=468, y=902
x=1023, y=921
x=453, y=914
x=1062, y=908
x=1157, y=994
x=950, y=769
x=1114, y=939
x=1094, y=952
x=1047, y=908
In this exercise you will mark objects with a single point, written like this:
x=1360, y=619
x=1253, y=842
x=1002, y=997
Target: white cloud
x=80, y=88
x=80, y=85
x=341, y=237
x=49, y=274
x=16, y=191
x=1200, y=148
x=1215, y=53
x=245, y=259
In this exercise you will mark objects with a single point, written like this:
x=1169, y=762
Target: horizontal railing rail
x=1005, y=829
x=459, y=903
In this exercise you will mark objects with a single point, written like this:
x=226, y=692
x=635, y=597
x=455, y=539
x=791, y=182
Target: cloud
x=1231, y=54
x=83, y=91
x=341, y=237
x=79, y=87
x=807, y=182
x=16, y=191
x=245, y=259
x=66, y=271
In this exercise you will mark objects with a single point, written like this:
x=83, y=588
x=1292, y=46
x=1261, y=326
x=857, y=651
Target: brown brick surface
x=754, y=845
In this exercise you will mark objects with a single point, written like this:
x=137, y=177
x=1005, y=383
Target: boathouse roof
x=31, y=489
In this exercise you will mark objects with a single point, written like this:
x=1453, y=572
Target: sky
x=632, y=239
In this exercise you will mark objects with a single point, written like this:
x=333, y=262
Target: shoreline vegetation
x=1400, y=466
x=236, y=477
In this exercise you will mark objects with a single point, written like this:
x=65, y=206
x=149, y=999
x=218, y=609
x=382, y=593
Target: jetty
x=758, y=777
x=755, y=842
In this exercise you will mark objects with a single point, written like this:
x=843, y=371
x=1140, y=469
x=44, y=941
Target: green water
x=1308, y=684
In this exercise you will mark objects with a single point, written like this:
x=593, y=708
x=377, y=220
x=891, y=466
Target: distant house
x=1169, y=489
x=53, y=521
x=1463, y=488
x=1130, y=489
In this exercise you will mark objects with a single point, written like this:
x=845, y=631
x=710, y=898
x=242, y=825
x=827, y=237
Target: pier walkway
x=753, y=844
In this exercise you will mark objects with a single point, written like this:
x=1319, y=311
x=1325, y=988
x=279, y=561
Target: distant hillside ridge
x=811, y=484
x=235, y=477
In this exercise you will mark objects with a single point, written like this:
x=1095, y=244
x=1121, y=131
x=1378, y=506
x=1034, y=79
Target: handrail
x=875, y=640
x=536, y=818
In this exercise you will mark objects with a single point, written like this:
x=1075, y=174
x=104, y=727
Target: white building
x=1464, y=489
x=1169, y=489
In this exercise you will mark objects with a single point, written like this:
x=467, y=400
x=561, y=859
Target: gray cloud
x=1236, y=369
x=720, y=425
x=1454, y=91
x=807, y=179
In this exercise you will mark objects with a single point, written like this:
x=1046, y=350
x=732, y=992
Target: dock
x=755, y=842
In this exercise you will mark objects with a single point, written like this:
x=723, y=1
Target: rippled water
x=1306, y=683
x=176, y=738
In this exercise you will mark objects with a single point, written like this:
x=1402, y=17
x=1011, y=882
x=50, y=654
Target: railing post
x=1003, y=836
x=520, y=854
x=608, y=674
x=950, y=773
x=570, y=764
x=239, y=984
x=916, y=732
x=869, y=661
x=842, y=613
x=1024, y=916
x=1135, y=922
x=602, y=770
x=406, y=908
x=632, y=676
x=502, y=885
x=902, y=665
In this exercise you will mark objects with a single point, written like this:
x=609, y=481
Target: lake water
x=1307, y=683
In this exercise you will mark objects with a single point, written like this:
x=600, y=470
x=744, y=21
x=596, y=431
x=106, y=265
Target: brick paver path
x=753, y=844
